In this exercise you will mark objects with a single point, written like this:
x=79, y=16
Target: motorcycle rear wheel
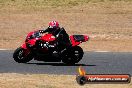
x=72, y=55
x=20, y=57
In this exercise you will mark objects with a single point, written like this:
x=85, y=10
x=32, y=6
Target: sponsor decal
x=84, y=78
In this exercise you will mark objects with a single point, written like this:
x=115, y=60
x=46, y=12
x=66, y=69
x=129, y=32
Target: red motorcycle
x=46, y=48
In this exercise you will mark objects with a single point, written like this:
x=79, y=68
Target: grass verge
x=14, y=80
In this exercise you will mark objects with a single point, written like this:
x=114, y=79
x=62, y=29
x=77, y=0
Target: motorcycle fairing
x=77, y=39
x=24, y=46
x=30, y=43
x=73, y=42
x=48, y=37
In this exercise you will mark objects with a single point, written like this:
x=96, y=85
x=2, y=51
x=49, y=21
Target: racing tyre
x=22, y=55
x=72, y=55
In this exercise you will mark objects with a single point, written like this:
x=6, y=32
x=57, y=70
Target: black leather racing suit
x=61, y=35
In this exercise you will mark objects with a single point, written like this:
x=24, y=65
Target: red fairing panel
x=32, y=42
x=74, y=43
x=29, y=34
x=24, y=46
x=26, y=50
x=48, y=37
x=86, y=38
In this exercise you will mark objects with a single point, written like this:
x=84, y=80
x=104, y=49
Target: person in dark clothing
x=59, y=33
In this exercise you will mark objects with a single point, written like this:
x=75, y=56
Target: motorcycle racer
x=59, y=33
x=56, y=44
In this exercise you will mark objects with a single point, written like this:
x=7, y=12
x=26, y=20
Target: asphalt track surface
x=92, y=62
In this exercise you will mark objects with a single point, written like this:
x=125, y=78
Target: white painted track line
x=4, y=49
x=101, y=51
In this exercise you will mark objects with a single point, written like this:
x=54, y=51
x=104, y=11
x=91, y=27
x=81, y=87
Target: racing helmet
x=53, y=24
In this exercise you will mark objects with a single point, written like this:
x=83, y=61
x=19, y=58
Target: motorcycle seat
x=78, y=38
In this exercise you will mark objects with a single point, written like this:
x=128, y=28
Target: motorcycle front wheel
x=72, y=55
x=21, y=55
